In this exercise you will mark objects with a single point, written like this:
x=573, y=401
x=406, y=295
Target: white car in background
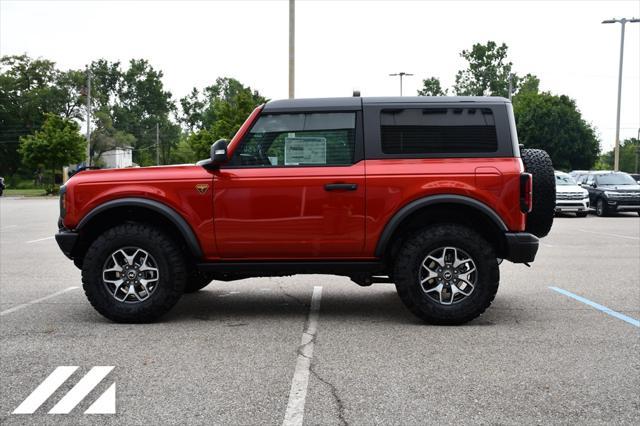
x=570, y=197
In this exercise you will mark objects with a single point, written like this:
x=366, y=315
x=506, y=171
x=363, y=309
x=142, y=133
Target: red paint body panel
x=174, y=186
x=392, y=184
x=286, y=213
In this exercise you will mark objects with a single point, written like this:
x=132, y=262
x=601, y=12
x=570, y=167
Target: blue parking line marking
x=597, y=306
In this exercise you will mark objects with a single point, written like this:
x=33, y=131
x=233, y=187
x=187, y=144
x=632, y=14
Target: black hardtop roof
x=356, y=102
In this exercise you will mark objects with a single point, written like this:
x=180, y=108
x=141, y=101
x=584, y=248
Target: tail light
x=526, y=192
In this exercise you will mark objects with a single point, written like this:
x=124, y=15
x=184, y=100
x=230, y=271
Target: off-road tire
x=409, y=260
x=196, y=281
x=601, y=208
x=170, y=263
x=538, y=163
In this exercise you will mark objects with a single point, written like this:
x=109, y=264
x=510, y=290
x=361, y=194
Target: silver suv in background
x=570, y=197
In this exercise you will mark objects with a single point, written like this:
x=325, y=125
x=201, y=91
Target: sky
x=344, y=45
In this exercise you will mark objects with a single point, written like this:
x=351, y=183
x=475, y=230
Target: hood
x=570, y=188
x=141, y=174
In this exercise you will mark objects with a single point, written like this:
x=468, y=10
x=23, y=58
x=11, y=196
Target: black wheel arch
x=441, y=208
x=116, y=211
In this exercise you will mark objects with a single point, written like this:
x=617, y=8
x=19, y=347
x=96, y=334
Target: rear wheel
x=446, y=274
x=133, y=273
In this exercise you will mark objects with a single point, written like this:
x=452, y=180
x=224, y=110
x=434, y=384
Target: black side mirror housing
x=219, y=152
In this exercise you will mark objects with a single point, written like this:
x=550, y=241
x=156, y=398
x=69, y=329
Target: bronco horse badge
x=202, y=187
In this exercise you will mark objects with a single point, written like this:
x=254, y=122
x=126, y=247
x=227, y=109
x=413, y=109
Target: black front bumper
x=521, y=247
x=66, y=241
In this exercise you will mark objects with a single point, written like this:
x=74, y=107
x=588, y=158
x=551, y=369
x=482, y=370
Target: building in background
x=118, y=158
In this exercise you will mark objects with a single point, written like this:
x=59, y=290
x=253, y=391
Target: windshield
x=616, y=179
x=564, y=180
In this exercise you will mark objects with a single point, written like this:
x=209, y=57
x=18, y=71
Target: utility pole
x=400, y=74
x=292, y=48
x=510, y=85
x=616, y=151
x=88, y=162
x=157, y=144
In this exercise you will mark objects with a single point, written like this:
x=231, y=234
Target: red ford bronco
x=427, y=193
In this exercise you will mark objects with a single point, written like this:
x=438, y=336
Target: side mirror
x=593, y=185
x=219, y=151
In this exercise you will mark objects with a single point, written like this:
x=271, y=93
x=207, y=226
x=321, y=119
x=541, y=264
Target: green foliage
x=487, y=73
x=135, y=101
x=554, y=123
x=629, y=151
x=431, y=87
x=105, y=137
x=218, y=113
x=56, y=144
x=200, y=143
x=30, y=88
x=183, y=153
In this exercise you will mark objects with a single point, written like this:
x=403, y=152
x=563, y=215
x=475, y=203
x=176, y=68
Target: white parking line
x=40, y=239
x=8, y=227
x=298, y=394
x=42, y=299
x=611, y=235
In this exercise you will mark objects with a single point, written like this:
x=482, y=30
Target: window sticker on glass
x=305, y=150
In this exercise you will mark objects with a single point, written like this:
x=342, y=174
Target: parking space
x=228, y=354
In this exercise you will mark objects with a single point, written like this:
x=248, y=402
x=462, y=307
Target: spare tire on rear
x=538, y=163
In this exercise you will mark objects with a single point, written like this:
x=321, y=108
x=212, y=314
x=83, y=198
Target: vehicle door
x=294, y=188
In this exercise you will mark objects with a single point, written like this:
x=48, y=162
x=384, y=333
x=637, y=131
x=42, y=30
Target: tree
x=218, y=112
x=30, y=88
x=431, y=87
x=487, y=73
x=135, y=101
x=56, y=144
x=105, y=137
x=554, y=123
x=629, y=151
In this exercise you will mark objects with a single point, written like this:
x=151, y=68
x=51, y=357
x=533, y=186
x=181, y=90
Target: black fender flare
x=169, y=213
x=415, y=205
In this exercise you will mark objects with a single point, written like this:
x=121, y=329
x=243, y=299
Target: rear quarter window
x=435, y=130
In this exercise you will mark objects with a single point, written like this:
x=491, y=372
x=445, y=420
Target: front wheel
x=601, y=208
x=133, y=273
x=447, y=274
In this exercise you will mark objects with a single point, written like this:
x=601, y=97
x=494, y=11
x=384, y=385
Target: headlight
x=585, y=194
x=611, y=193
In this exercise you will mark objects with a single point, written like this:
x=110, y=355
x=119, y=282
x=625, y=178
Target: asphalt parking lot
x=227, y=354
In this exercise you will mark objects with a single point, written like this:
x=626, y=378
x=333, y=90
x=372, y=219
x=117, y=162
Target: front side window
x=438, y=130
x=307, y=139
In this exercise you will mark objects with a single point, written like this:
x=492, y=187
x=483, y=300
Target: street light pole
x=616, y=151
x=400, y=74
x=88, y=117
x=292, y=48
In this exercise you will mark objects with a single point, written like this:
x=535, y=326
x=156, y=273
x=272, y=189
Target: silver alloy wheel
x=130, y=274
x=448, y=275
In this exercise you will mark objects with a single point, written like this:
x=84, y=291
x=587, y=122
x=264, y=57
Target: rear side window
x=438, y=130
